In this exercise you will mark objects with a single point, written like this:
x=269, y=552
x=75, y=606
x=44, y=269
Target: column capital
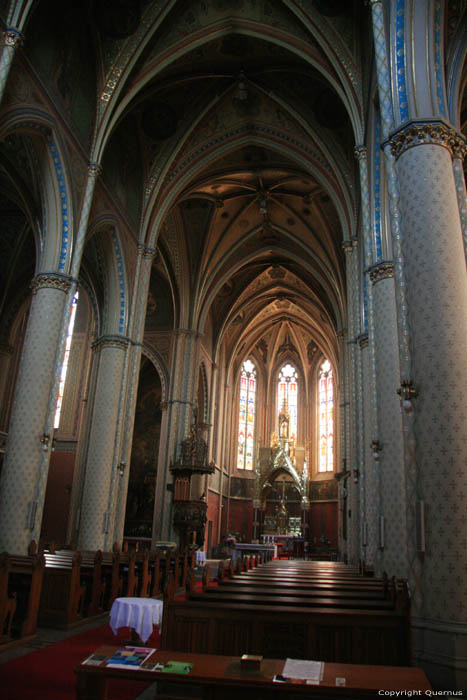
x=150, y=253
x=421, y=132
x=13, y=38
x=363, y=340
x=360, y=152
x=51, y=280
x=94, y=169
x=349, y=245
x=381, y=271
x=111, y=341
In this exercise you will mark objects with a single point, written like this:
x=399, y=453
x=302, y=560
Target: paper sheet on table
x=302, y=669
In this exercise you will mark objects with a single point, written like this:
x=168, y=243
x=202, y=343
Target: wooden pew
x=25, y=581
x=20, y=589
x=62, y=595
x=329, y=634
x=266, y=615
x=7, y=602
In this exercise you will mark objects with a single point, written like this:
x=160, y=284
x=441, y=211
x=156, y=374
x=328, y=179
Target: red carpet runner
x=47, y=674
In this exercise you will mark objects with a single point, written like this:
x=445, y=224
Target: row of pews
x=292, y=608
x=63, y=588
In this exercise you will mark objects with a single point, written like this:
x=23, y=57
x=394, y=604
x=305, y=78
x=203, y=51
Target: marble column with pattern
x=95, y=516
x=20, y=503
x=437, y=294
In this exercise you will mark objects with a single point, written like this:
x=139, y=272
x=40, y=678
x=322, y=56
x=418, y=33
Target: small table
x=138, y=613
x=220, y=677
x=200, y=558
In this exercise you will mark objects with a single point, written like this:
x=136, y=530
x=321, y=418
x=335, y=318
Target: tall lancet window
x=287, y=391
x=326, y=418
x=246, y=421
x=66, y=359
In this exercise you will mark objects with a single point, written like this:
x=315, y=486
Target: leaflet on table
x=129, y=657
x=95, y=659
x=301, y=669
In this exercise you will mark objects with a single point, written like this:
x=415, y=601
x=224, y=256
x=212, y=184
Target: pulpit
x=190, y=513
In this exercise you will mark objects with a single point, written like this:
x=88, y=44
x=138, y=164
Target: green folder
x=183, y=667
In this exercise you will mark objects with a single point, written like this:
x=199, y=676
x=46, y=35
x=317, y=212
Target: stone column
x=138, y=316
x=27, y=459
x=95, y=515
x=6, y=352
x=12, y=40
x=459, y=150
x=411, y=468
x=390, y=479
x=351, y=248
x=437, y=294
x=179, y=419
x=344, y=425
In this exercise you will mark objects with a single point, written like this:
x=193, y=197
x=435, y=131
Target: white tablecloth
x=200, y=557
x=138, y=613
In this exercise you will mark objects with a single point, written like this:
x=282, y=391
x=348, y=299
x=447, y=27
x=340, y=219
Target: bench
x=62, y=596
x=347, y=618
x=342, y=635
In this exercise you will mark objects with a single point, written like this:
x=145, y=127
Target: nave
x=233, y=287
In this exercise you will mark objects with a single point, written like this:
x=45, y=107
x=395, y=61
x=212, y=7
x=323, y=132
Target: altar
x=240, y=548
x=293, y=545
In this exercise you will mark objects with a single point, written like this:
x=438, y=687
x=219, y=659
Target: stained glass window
x=287, y=392
x=326, y=418
x=66, y=359
x=246, y=421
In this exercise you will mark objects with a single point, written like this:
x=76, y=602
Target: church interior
x=233, y=287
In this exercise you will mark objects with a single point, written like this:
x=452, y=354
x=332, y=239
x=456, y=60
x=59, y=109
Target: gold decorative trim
x=51, y=281
x=427, y=133
x=382, y=271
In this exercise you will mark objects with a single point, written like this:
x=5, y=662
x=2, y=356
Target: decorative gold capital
x=382, y=271
x=437, y=133
x=347, y=246
x=363, y=340
x=150, y=253
x=360, y=152
x=51, y=281
x=13, y=38
x=94, y=169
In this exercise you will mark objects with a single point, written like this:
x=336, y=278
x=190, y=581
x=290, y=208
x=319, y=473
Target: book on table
x=129, y=657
